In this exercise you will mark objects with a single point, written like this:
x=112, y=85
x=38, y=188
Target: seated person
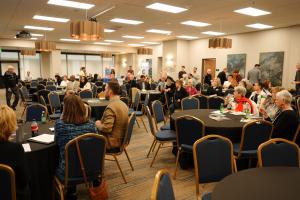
x=269, y=108
x=73, y=123
x=215, y=88
x=84, y=84
x=143, y=84
x=258, y=95
x=184, y=79
x=12, y=154
x=239, y=103
x=114, y=122
x=190, y=89
x=65, y=81
x=73, y=84
x=179, y=94
x=286, y=120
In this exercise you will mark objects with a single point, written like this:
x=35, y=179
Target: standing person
x=130, y=70
x=11, y=86
x=82, y=72
x=28, y=77
x=180, y=73
x=297, y=79
x=208, y=77
x=254, y=75
x=114, y=122
x=222, y=75
x=196, y=75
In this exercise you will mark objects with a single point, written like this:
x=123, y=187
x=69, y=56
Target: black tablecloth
x=98, y=106
x=42, y=161
x=231, y=129
x=274, y=183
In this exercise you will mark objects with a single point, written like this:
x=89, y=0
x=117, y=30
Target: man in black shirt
x=180, y=73
x=222, y=76
x=208, y=77
x=11, y=86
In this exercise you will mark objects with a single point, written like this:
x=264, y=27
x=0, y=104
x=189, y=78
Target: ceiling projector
x=23, y=35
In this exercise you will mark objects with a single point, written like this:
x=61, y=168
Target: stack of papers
x=237, y=113
x=26, y=147
x=43, y=138
x=219, y=118
x=218, y=112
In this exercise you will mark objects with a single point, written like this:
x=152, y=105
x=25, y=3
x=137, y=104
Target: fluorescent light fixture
x=126, y=21
x=69, y=40
x=259, y=26
x=159, y=31
x=132, y=37
x=39, y=28
x=187, y=37
x=195, y=23
x=114, y=41
x=252, y=11
x=33, y=38
x=71, y=4
x=150, y=42
x=212, y=33
x=52, y=19
x=136, y=45
x=166, y=8
x=109, y=30
x=36, y=35
x=102, y=43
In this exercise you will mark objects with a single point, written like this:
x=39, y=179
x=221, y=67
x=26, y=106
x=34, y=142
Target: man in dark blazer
x=143, y=84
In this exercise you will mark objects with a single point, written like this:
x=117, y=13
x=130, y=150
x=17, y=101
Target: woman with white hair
x=240, y=103
x=286, y=120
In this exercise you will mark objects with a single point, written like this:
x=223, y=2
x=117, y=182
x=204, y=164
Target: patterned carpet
x=141, y=179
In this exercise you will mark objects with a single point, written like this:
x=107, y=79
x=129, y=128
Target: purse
x=95, y=193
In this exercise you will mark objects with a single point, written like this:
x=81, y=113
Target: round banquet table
x=98, y=106
x=42, y=161
x=274, y=183
x=231, y=128
x=153, y=95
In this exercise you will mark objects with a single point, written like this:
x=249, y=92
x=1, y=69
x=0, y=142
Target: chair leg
x=154, y=146
x=177, y=162
x=118, y=164
x=154, y=141
x=155, y=155
x=128, y=159
x=144, y=124
x=25, y=106
x=137, y=123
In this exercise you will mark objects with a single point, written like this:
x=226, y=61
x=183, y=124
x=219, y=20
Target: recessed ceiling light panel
x=114, y=41
x=166, y=8
x=132, y=37
x=109, y=30
x=69, y=40
x=136, y=45
x=188, y=37
x=126, y=21
x=195, y=23
x=52, y=19
x=159, y=31
x=36, y=35
x=71, y=4
x=102, y=43
x=259, y=26
x=150, y=43
x=252, y=11
x=212, y=33
x=38, y=28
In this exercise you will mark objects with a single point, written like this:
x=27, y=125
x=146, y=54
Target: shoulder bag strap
x=81, y=164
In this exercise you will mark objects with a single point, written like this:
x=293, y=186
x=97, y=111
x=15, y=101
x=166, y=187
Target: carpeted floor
x=141, y=179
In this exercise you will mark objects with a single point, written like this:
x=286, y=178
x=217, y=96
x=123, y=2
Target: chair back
x=24, y=91
x=136, y=101
x=296, y=138
x=44, y=93
x=131, y=122
x=213, y=158
x=92, y=149
x=158, y=112
x=254, y=134
x=150, y=121
x=162, y=188
x=167, y=103
x=40, y=87
x=133, y=92
x=42, y=101
x=125, y=100
x=34, y=112
x=85, y=94
x=51, y=87
x=7, y=182
x=203, y=101
x=278, y=152
x=50, y=83
x=33, y=83
x=189, y=103
x=146, y=101
x=215, y=102
x=188, y=130
x=54, y=101
x=95, y=91
x=298, y=105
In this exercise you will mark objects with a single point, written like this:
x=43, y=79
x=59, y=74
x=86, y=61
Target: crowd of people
x=240, y=94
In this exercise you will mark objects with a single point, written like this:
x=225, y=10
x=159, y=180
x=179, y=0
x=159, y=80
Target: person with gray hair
x=286, y=120
x=11, y=86
x=239, y=103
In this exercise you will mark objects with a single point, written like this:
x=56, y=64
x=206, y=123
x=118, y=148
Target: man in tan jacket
x=114, y=122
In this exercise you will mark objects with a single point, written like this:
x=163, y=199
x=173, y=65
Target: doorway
x=208, y=63
x=159, y=66
x=3, y=68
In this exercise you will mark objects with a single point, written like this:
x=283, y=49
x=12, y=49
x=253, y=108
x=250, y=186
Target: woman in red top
x=240, y=103
x=190, y=88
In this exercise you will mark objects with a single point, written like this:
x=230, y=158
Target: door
x=159, y=66
x=208, y=63
x=4, y=66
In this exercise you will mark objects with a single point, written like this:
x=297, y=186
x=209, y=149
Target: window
x=63, y=59
x=31, y=64
x=9, y=55
x=75, y=62
x=93, y=64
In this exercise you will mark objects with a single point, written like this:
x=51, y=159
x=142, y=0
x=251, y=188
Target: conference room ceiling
x=15, y=14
